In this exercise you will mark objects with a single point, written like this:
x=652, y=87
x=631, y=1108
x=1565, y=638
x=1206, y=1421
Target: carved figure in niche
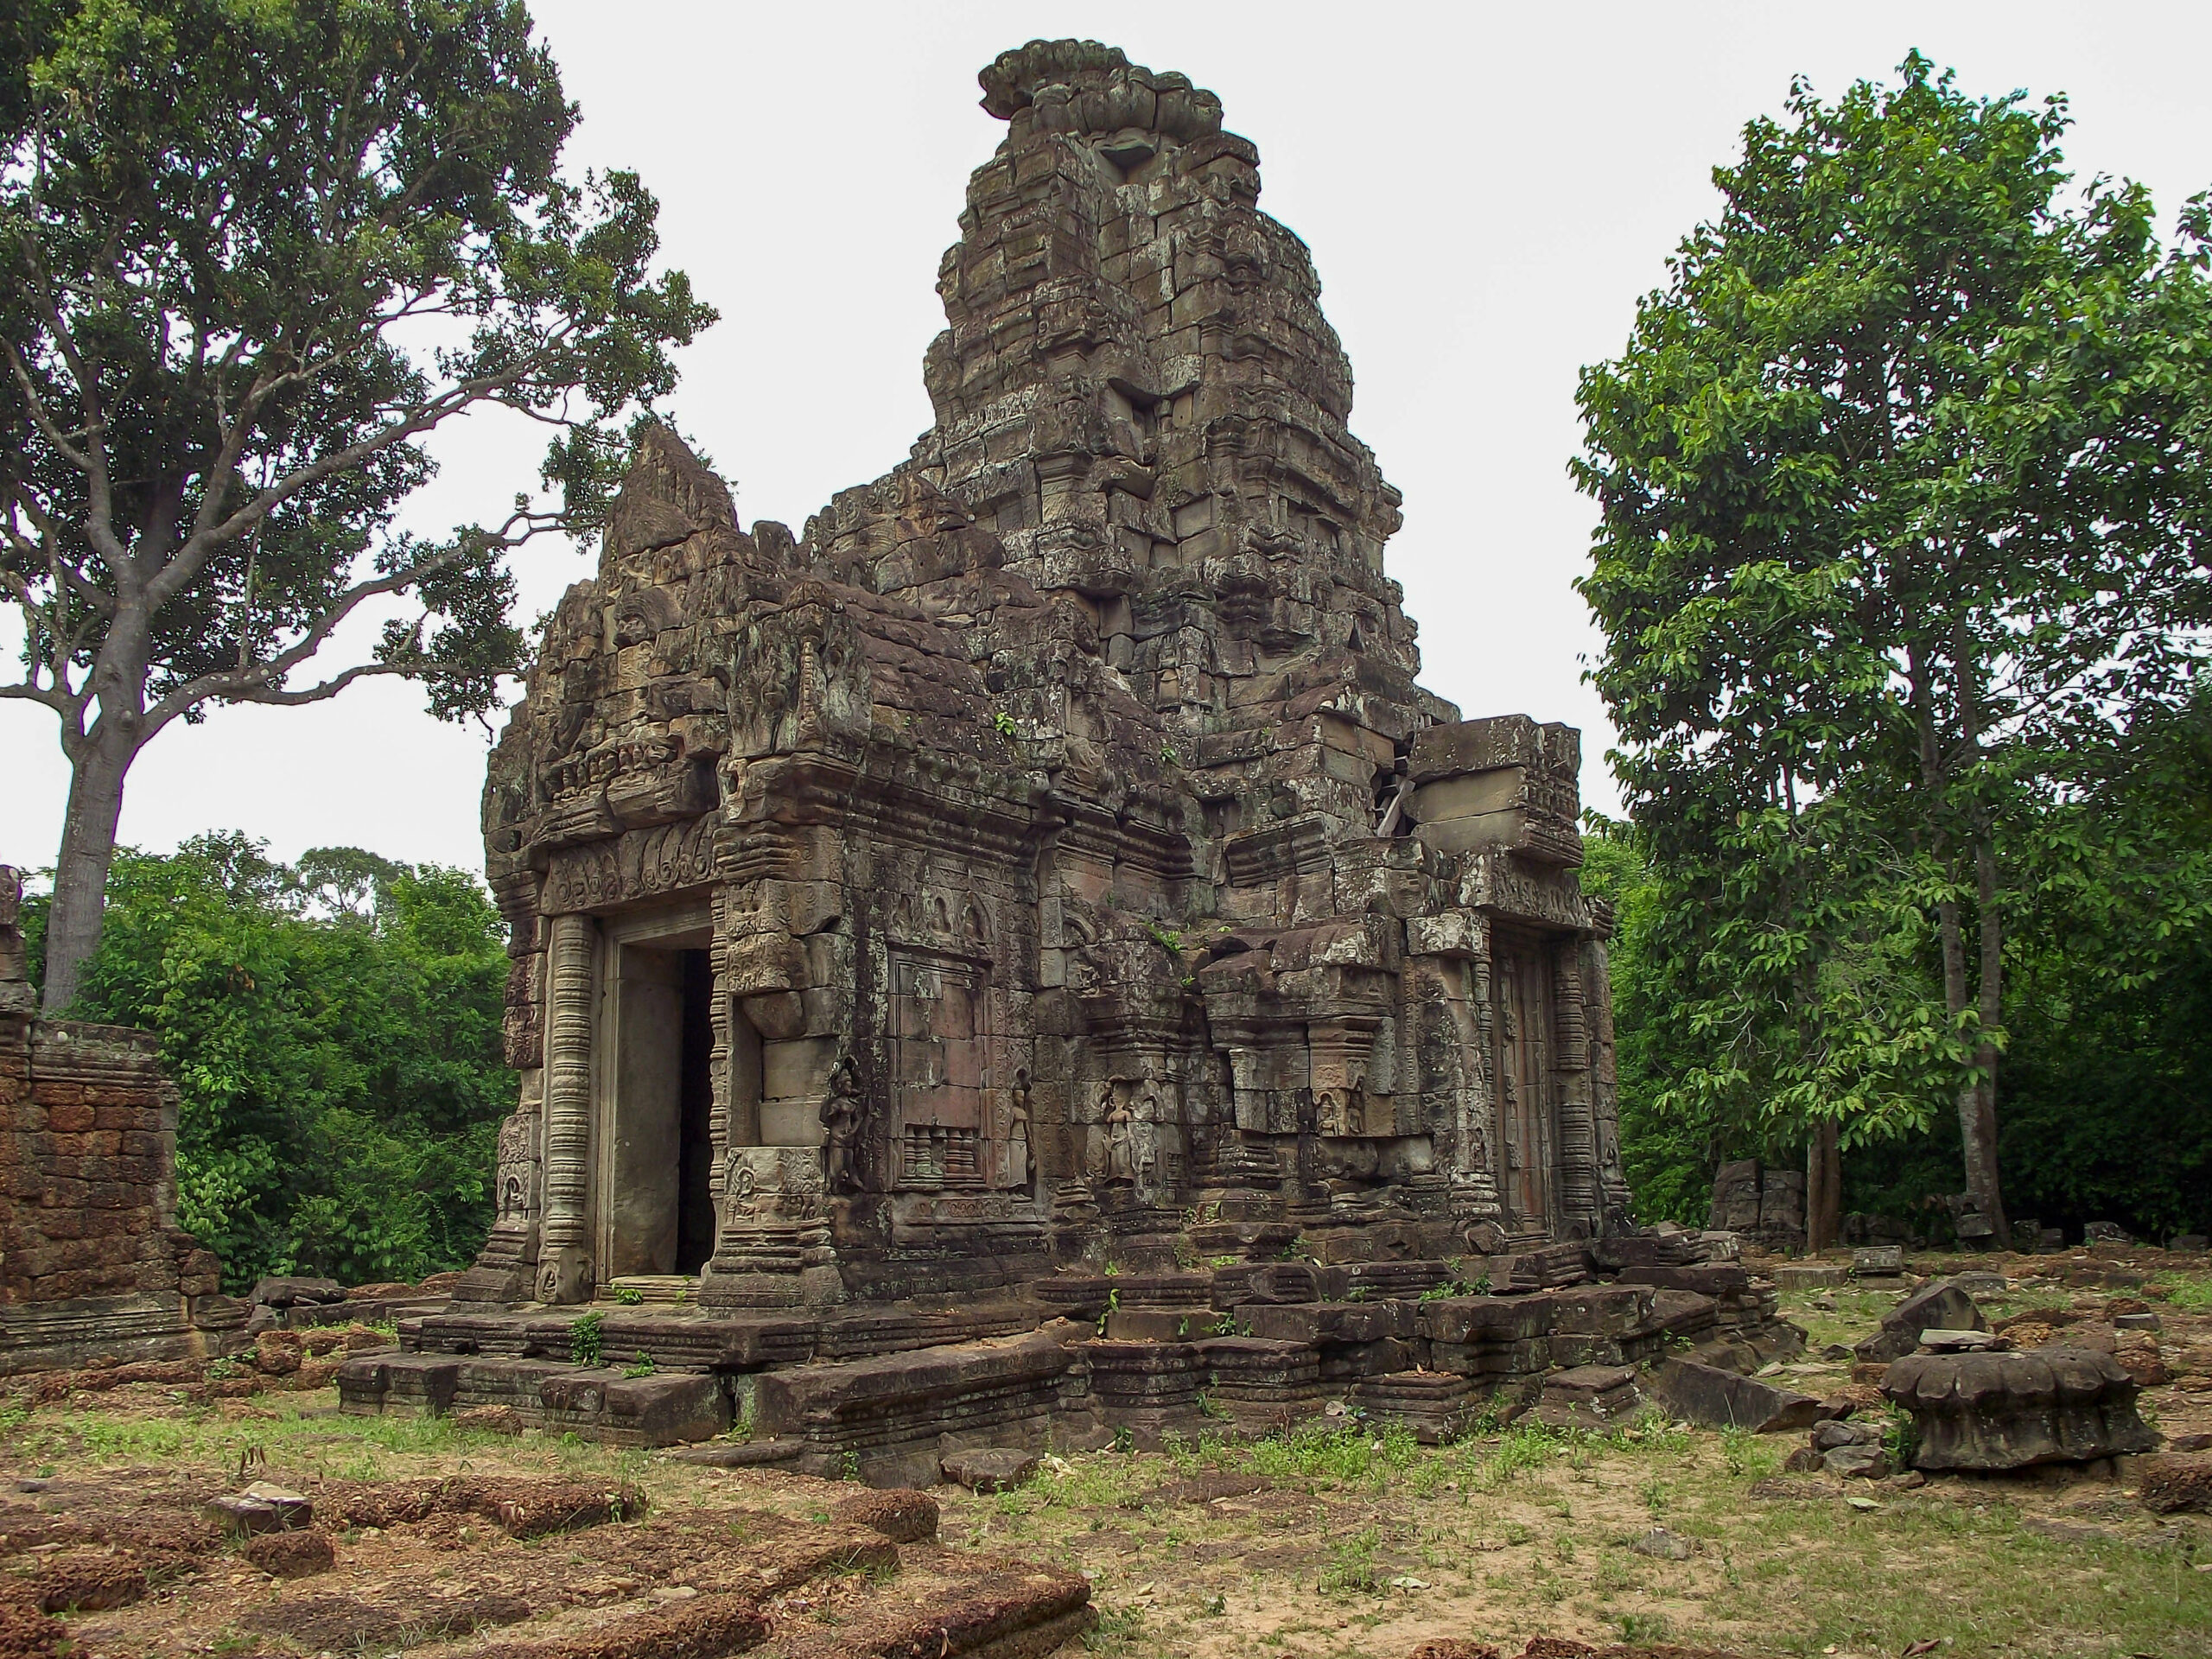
x=1017, y=1132
x=511, y=1196
x=738, y=1184
x=841, y=1116
x=1121, y=1144
x=1333, y=1112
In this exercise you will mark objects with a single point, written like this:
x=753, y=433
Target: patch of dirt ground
x=1344, y=1540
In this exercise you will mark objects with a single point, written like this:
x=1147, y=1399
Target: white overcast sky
x=1486, y=190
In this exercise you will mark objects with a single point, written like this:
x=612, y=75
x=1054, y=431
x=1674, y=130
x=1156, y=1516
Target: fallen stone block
x=286, y=1291
x=1713, y=1398
x=1662, y=1545
x=2175, y=1481
x=1938, y=1306
x=1857, y=1463
x=900, y=1514
x=990, y=1469
x=2012, y=1411
x=262, y=1507
x=1828, y=1436
x=1595, y=1397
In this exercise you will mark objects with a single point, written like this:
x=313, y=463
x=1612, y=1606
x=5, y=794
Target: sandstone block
x=1712, y=1398
x=1940, y=1306
x=2010, y=1411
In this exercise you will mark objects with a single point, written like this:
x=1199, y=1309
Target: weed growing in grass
x=1119, y=1630
x=1644, y=1628
x=1352, y=1569
x=2190, y=1291
x=1527, y=1446
x=1313, y=1451
x=131, y=1438
x=1899, y=1439
x=1744, y=1453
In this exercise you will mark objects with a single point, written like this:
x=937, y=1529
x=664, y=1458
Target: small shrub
x=586, y=1344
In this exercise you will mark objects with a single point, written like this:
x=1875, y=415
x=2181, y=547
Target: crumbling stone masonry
x=92, y=1262
x=1041, y=893
x=1050, y=854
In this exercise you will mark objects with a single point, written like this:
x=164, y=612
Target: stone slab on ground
x=2175, y=1481
x=661, y=1582
x=664, y=1408
x=1712, y=1398
x=1941, y=1305
x=2013, y=1411
x=1595, y=1398
x=990, y=1469
x=885, y=1414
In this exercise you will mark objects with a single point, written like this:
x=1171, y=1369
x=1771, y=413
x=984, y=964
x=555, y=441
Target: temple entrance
x=656, y=1209
x=1522, y=977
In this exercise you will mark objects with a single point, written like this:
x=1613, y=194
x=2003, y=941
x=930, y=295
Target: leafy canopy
x=339, y=1062
x=251, y=250
x=1903, y=491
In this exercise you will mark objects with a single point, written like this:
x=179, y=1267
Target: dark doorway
x=1522, y=980
x=657, y=1209
x=695, y=1222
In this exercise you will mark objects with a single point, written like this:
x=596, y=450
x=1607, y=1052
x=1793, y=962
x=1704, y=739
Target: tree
x=1903, y=487
x=251, y=252
x=339, y=1069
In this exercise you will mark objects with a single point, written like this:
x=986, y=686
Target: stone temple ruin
x=1042, y=889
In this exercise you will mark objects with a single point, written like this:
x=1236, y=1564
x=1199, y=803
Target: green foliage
x=339, y=1063
x=1903, y=485
x=221, y=217
x=252, y=253
x=1669, y=1149
x=586, y=1342
x=628, y=1296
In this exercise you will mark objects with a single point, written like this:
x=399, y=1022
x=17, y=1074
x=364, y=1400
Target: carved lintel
x=639, y=864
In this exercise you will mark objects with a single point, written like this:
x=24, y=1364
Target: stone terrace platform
x=1077, y=1360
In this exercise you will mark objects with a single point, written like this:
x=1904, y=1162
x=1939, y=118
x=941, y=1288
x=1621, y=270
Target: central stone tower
x=1049, y=856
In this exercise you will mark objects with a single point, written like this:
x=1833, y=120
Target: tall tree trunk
x=80, y=906
x=1977, y=1117
x=1978, y=1129
x=1823, y=1187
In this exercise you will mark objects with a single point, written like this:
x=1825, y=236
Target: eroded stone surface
x=2009, y=1411
x=1943, y=1305
x=1713, y=1398
x=92, y=1264
x=1050, y=853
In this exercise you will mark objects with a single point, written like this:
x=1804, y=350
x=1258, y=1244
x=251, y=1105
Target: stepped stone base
x=1077, y=1360
x=597, y=1402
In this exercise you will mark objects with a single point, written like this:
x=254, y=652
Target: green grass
x=2190, y=1291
